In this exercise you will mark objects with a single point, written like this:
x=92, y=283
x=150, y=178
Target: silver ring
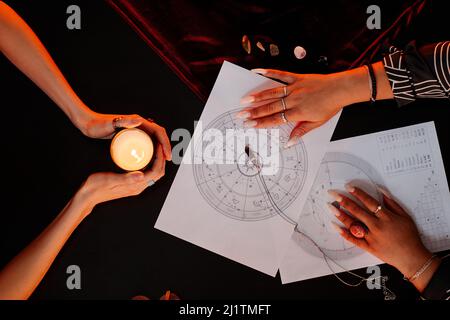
x=283, y=117
x=283, y=103
x=377, y=210
x=285, y=91
x=114, y=122
x=150, y=183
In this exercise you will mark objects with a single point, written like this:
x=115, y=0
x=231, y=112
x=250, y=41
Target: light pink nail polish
x=250, y=124
x=247, y=100
x=291, y=142
x=259, y=70
x=337, y=227
x=243, y=115
x=334, y=210
x=336, y=196
x=349, y=187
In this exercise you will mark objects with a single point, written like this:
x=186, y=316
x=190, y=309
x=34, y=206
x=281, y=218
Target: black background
x=120, y=253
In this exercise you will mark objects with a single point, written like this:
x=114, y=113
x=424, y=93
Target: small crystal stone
x=260, y=46
x=274, y=51
x=246, y=44
x=299, y=52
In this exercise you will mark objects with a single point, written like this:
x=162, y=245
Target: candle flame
x=136, y=156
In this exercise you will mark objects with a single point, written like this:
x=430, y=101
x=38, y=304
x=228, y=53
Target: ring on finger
x=283, y=117
x=283, y=103
x=150, y=183
x=285, y=91
x=377, y=211
x=358, y=230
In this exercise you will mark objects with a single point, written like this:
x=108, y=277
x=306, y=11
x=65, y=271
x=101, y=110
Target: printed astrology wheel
x=315, y=222
x=238, y=190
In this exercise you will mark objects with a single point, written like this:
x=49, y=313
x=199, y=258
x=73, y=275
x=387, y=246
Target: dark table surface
x=119, y=252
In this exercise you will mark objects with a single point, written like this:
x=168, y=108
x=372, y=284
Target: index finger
x=367, y=200
x=268, y=94
x=353, y=208
x=266, y=109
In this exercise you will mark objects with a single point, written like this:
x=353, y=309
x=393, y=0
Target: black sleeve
x=419, y=72
x=439, y=286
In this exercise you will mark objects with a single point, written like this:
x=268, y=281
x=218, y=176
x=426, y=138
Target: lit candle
x=131, y=149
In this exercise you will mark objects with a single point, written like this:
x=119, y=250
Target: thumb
x=133, y=177
x=302, y=128
x=130, y=121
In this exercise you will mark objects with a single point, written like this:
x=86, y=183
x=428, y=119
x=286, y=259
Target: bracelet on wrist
x=372, y=82
x=422, y=269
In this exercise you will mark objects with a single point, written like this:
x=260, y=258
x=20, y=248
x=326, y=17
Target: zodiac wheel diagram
x=238, y=189
x=315, y=222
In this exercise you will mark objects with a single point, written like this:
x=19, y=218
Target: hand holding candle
x=103, y=126
x=105, y=186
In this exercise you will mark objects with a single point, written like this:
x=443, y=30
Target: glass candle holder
x=132, y=149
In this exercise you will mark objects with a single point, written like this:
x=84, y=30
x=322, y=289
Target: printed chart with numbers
x=407, y=161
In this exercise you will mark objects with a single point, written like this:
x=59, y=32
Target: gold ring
x=283, y=117
x=377, y=210
x=285, y=91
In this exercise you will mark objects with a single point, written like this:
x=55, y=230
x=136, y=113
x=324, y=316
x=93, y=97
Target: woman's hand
x=105, y=186
x=389, y=234
x=97, y=125
x=310, y=100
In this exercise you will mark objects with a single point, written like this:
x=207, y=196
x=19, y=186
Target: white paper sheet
x=224, y=211
x=407, y=161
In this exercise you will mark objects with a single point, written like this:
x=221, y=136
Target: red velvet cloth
x=195, y=37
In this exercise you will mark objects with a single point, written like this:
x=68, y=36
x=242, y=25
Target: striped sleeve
x=419, y=73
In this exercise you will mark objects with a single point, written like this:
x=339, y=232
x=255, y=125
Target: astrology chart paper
x=225, y=208
x=407, y=161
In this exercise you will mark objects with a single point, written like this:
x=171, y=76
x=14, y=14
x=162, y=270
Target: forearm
x=22, y=275
x=23, y=48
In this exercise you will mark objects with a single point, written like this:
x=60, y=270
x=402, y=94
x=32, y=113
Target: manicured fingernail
x=130, y=123
x=247, y=99
x=250, y=124
x=386, y=193
x=259, y=70
x=243, y=115
x=334, y=210
x=136, y=176
x=336, y=196
x=291, y=142
x=337, y=227
x=349, y=187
